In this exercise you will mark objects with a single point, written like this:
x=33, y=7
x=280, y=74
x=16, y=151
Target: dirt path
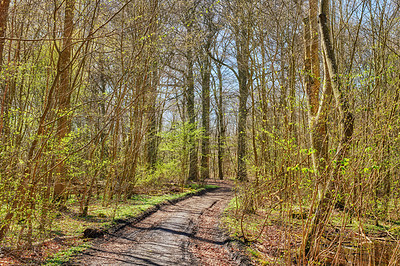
x=182, y=234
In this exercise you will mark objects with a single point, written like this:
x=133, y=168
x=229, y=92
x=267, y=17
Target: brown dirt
x=208, y=241
x=38, y=254
x=185, y=233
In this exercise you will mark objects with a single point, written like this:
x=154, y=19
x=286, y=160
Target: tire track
x=174, y=235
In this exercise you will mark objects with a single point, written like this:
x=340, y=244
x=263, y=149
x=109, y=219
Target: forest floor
x=181, y=229
x=274, y=237
x=185, y=233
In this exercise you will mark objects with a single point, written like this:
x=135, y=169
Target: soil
x=38, y=254
x=185, y=233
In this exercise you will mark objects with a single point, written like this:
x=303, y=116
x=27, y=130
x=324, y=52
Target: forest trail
x=185, y=233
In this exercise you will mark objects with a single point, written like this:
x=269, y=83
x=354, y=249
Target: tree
x=151, y=145
x=346, y=122
x=221, y=124
x=193, y=156
x=64, y=91
x=205, y=69
x=242, y=40
x=4, y=5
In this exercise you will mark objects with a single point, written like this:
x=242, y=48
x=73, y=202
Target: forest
x=295, y=102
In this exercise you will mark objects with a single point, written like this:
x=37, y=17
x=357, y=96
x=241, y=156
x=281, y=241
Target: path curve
x=185, y=233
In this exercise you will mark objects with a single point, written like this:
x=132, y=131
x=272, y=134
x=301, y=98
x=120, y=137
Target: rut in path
x=182, y=234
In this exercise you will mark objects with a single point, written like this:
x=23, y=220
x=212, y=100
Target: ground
x=185, y=233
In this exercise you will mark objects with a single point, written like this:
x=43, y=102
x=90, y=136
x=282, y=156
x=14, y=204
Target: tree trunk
x=221, y=126
x=314, y=56
x=318, y=134
x=4, y=5
x=151, y=146
x=242, y=57
x=346, y=123
x=193, y=157
x=64, y=93
x=205, y=145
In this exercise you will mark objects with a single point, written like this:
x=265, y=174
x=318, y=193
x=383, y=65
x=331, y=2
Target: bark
x=314, y=56
x=318, y=133
x=4, y=5
x=193, y=156
x=347, y=123
x=205, y=145
x=151, y=152
x=151, y=145
x=221, y=126
x=242, y=57
x=64, y=92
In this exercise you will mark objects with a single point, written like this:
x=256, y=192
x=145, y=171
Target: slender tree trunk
x=221, y=126
x=151, y=151
x=193, y=156
x=314, y=57
x=242, y=56
x=318, y=135
x=346, y=123
x=151, y=145
x=64, y=92
x=205, y=145
x=4, y=5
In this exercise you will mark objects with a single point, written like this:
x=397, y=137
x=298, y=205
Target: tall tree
x=318, y=132
x=205, y=69
x=221, y=124
x=151, y=145
x=193, y=155
x=346, y=124
x=64, y=91
x=242, y=40
x=4, y=5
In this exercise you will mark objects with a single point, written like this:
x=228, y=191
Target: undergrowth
x=282, y=231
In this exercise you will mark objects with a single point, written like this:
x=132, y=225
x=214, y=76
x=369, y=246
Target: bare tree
x=4, y=5
x=242, y=40
x=205, y=68
x=193, y=155
x=64, y=91
x=346, y=122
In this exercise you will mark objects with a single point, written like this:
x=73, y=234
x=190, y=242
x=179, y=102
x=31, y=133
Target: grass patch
x=64, y=256
x=197, y=186
x=211, y=186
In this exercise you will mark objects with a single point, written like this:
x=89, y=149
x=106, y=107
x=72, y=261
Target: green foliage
x=64, y=256
x=174, y=150
x=200, y=186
